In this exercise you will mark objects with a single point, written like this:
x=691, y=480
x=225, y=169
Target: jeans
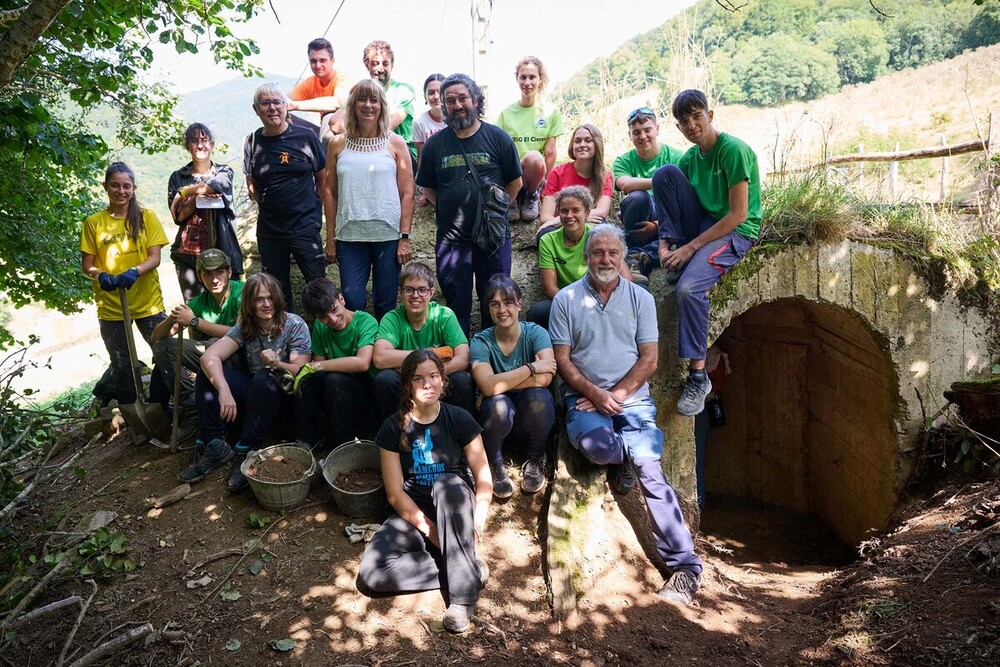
x=529, y=413
x=399, y=559
x=461, y=392
x=633, y=435
x=358, y=260
x=259, y=403
x=637, y=208
x=682, y=218
x=457, y=265
x=539, y=312
x=113, y=334
x=341, y=402
x=308, y=253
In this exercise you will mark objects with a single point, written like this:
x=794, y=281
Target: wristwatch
x=404, y=236
x=195, y=321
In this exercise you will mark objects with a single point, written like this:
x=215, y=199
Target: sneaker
x=238, y=482
x=502, y=486
x=693, y=396
x=484, y=571
x=681, y=587
x=513, y=211
x=529, y=210
x=209, y=457
x=621, y=478
x=458, y=617
x=533, y=475
x=635, y=263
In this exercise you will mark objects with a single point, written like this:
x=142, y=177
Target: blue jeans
x=358, y=260
x=457, y=265
x=633, y=435
x=682, y=218
x=259, y=403
x=529, y=413
x=113, y=334
x=275, y=254
x=637, y=208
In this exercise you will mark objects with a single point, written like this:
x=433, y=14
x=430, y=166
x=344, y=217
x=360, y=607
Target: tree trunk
x=18, y=41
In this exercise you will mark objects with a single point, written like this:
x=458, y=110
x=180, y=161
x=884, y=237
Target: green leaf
x=233, y=645
x=86, y=570
x=283, y=645
x=80, y=473
x=230, y=595
x=166, y=36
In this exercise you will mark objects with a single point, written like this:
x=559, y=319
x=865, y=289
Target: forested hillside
x=772, y=51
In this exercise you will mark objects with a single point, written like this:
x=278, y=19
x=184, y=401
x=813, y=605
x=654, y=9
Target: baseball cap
x=212, y=259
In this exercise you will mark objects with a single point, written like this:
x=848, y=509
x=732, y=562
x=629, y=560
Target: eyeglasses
x=270, y=103
x=419, y=291
x=641, y=110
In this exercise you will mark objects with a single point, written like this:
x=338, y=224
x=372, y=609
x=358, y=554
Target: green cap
x=212, y=259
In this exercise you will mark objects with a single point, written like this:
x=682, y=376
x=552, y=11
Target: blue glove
x=107, y=281
x=127, y=278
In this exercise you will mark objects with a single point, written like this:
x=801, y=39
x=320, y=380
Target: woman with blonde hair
x=587, y=168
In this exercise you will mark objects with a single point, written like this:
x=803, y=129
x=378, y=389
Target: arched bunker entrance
x=811, y=408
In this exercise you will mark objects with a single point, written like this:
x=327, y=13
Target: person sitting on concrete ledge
x=604, y=334
x=273, y=342
x=208, y=317
x=339, y=393
x=709, y=206
x=586, y=168
x=325, y=92
x=420, y=322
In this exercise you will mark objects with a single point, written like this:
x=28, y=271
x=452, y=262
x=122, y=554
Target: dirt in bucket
x=277, y=469
x=358, y=481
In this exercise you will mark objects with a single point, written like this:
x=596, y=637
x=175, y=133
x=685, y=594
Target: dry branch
x=894, y=156
x=12, y=505
x=33, y=593
x=42, y=611
x=114, y=645
x=76, y=626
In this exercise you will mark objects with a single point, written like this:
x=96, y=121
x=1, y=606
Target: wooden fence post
x=861, y=169
x=944, y=175
x=894, y=176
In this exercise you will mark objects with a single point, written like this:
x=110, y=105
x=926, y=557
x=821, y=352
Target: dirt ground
x=777, y=589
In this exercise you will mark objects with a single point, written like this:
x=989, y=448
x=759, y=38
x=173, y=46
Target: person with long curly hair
x=427, y=452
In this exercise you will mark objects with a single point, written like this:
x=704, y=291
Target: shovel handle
x=133, y=358
x=179, y=368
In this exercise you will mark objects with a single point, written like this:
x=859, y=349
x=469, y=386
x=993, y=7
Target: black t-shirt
x=435, y=449
x=442, y=167
x=284, y=168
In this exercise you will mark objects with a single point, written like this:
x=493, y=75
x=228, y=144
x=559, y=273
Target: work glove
x=445, y=352
x=107, y=281
x=304, y=372
x=127, y=278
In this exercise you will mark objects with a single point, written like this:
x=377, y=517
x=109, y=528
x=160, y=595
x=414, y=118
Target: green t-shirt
x=485, y=350
x=712, y=175
x=362, y=331
x=441, y=328
x=630, y=164
x=530, y=127
x=401, y=96
x=205, y=307
x=569, y=263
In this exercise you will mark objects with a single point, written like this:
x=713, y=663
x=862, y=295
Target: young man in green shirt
x=339, y=392
x=208, y=317
x=709, y=207
x=418, y=323
x=633, y=174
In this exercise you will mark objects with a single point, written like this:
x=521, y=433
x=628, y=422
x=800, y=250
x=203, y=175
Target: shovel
x=175, y=424
x=147, y=420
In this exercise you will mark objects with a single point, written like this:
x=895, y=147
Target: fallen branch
x=76, y=626
x=179, y=492
x=42, y=611
x=960, y=544
x=146, y=600
x=114, y=645
x=33, y=593
x=11, y=507
x=219, y=556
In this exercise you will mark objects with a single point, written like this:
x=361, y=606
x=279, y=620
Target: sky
x=431, y=36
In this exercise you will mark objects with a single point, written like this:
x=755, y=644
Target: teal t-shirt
x=362, y=331
x=569, y=263
x=441, y=328
x=401, y=96
x=712, y=175
x=205, y=307
x=485, y=350
x=630, y=164
x=530, y=127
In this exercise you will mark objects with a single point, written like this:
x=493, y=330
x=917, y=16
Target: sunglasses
x=641, y=110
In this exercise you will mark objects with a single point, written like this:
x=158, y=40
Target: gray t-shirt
x=294, y=338
x=604, y=339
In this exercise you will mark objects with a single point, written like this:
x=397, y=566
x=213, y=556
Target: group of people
x=412, y=365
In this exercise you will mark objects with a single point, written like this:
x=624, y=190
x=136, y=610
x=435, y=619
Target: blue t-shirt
x=485, y=349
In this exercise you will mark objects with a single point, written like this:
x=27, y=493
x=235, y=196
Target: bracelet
x=531, y=368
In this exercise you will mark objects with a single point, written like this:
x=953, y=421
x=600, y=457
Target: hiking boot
x=533, y=475
x=238, y=482
x=681, y=587
x=210, y=457
x=693, y=396
x=529, y=209
x=513, y=211
x=621, y=477
x=502, y=486
x=458, y=617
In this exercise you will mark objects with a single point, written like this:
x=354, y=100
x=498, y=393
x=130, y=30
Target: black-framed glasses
x=641, y=110
x=419, y=291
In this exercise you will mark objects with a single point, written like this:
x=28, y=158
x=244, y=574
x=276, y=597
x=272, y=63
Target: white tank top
x=368, y=206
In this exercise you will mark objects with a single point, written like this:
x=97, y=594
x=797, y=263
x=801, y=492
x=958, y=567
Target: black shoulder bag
x=489, y=230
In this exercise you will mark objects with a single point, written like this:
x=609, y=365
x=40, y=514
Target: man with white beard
x=604, y=335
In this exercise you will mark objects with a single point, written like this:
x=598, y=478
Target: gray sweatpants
x=400, y=560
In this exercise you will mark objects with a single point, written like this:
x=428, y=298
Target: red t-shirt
x=565, y=175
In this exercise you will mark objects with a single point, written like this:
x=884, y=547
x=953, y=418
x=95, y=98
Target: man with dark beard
x=447, y=180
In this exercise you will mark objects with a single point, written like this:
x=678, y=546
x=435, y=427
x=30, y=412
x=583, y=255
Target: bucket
x=280, y=496
x=355, y=455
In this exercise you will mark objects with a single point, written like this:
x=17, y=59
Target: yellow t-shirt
x=105, y=238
